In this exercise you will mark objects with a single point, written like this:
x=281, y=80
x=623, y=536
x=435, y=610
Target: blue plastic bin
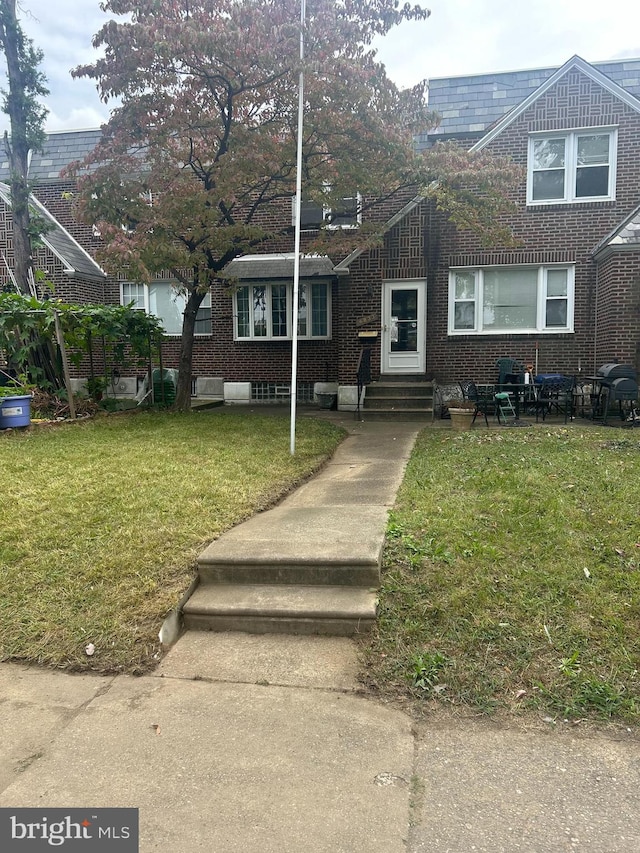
x=15, y=411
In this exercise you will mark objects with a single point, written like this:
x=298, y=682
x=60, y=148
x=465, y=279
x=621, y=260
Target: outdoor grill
x=617, y=383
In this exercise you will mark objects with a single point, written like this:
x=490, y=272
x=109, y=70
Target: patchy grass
x=512, y=573
x=102, y=522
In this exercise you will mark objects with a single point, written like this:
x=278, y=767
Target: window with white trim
x=346, y=214
x=165, y=301
x=263, y=310
x=574, y=166
x=507, y=300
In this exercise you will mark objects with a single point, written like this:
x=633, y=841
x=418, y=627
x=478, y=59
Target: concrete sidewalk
x=243, y=743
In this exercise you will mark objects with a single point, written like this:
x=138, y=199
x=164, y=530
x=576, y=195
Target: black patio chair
x=482, y=403
x=556, y=393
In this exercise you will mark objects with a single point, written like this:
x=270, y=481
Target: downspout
x=595, y=319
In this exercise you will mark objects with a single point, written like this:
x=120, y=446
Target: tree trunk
x=18, y=148
x=183, y=392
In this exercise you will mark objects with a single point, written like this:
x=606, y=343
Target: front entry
x=403, y=327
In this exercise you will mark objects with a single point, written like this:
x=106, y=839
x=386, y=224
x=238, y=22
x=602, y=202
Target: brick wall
x=618, y=310
x=425, y=246
x=546, y=234
x=401, y=256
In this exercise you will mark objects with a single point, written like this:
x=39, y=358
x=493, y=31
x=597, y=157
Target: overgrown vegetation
x=102, y=522
x=113, y=335
x=512, y=573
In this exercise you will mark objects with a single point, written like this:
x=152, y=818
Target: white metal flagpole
x=296, y=258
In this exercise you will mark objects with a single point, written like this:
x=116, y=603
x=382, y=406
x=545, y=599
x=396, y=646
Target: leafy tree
x=203, y=143
x=26, y=115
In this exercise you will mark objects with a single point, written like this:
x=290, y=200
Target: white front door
x=403, y=326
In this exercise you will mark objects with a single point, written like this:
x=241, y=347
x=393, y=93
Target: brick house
x=431, y=302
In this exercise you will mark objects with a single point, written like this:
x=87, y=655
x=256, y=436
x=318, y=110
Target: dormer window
x=346, y=214
x=313, y=216
x=571, y=167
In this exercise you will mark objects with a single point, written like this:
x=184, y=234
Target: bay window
x=263, y=310
x=519, y=299
x=165, y=301
x=572, y=166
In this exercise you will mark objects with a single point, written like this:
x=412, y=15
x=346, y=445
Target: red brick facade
x=554, y=233
x=423, y=247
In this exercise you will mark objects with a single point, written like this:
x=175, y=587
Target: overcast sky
x=460, y=37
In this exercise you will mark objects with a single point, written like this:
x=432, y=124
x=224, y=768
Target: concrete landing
x=317, y=663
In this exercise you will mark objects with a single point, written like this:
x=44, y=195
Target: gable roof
x=69, y=252
x=470, y=104
x=343, y=266
x=575, y=62
x=624, y=237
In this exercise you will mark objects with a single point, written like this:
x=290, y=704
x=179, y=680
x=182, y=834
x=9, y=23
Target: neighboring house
x=431, y=301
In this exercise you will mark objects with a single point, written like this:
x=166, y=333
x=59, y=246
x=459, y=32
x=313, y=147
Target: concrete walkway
x=310, y=565
x=252, y=744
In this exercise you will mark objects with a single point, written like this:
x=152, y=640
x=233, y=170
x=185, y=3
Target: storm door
x=403, y=327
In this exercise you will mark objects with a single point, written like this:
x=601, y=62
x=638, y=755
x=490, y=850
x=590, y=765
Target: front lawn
x=102, y=522
x=512, y=573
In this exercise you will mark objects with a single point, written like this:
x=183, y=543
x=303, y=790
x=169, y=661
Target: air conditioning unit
x=126, y=386
x=209, y=386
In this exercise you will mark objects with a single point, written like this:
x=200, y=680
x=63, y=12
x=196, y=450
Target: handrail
x=363, y=375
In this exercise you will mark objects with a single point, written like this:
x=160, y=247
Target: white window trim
x=270, y=337
x=145, y=295
x=570, y=168
x=331, y=227
x=541, y=306
x=206, y=303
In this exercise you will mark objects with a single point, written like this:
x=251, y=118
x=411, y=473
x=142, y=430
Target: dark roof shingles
x=471, y=104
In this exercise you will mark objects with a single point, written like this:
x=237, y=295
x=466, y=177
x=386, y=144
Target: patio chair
x=510, y=372
x=481, y=402
x=556, y=392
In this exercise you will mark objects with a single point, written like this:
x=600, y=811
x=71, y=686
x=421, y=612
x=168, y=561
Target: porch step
x=278, y=571
x=386, y=400
x=281, y=608
x=398, y=414
x=399, y=397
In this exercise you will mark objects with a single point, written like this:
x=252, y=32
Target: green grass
x=102, y=522
x=512, y=573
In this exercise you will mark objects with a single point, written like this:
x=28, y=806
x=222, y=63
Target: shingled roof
x=60, y=149
x=624, y=237
x=469, y=105
x=76, y=261
x=278, y=265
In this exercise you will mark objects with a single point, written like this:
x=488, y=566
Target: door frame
x=389, y=364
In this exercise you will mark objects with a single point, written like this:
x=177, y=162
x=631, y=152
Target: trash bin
x=165, y=384
x=15, y=411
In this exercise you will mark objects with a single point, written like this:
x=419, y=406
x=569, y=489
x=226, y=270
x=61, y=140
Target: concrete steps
x=311, y=564
x=302, y=568
x=245, y=570
x=400, y=398
x=281, y=608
